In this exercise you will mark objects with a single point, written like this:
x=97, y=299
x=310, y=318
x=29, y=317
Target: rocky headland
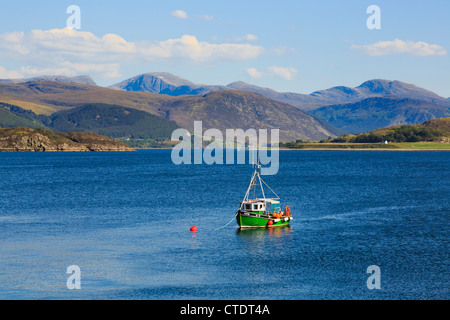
x=27, y=139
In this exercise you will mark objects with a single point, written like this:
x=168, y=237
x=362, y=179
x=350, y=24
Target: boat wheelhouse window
x=248, y=206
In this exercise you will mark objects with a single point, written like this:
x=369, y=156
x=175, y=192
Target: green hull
x=246, y=220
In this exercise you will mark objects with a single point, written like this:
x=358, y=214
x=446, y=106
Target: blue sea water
x=124, y=219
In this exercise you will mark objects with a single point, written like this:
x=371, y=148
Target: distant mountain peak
x=398, y=88
x=169, y=78
x=376, y=81
x=164, y=83
x=378, y=86
x=156, y=82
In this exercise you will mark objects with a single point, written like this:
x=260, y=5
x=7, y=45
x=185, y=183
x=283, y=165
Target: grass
x=27, y=105
x=423, y=145
x=373, y=146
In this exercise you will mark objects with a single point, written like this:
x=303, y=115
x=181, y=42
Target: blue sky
x=297, y=46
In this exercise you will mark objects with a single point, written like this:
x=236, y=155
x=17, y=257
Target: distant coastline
x=404, y=146
x=336, y=149
x=348, y=149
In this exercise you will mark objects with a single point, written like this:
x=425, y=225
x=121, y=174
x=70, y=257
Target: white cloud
x=180, y=14
x=252, y=72
x=189, y=48
x=110, y=70
x=398, y=46
x=66, y=69
x=286, y=73
x=248, y=37
x=64, y=42
x=69, y=51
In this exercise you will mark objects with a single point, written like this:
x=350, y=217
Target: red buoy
x=193, y=229
x=270, y=222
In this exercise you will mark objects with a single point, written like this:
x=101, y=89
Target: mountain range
x=223, y=110
x=169, y=84
x=373, y=104
x=325, y=113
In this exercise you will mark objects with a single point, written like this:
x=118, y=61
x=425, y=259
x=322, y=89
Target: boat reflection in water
x=257, y=243
x=259, y=234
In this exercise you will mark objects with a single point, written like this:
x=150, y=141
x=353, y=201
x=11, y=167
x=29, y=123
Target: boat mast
x=257, y=177
x=250, y=187
x=260, y=183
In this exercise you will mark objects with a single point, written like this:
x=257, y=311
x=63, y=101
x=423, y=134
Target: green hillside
x=442, y=124
x=430, y=135
x=435, y=130
x=112, y=121
x=10, y=118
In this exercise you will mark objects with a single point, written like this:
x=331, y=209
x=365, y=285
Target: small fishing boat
x=261, y=212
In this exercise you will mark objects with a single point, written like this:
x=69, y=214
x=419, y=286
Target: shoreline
x=57, y=151
x=368, y=149
x=280, y=149
x=328, y=149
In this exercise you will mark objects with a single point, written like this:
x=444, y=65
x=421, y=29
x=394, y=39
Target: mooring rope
x=228, y=222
